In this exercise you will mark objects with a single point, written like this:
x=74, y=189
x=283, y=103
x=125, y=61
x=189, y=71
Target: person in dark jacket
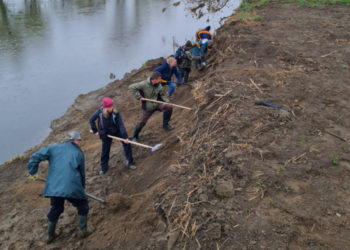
x=65, y=181
x=184, y=60
x=167, y=70
x=110, y=123
x=151, y=89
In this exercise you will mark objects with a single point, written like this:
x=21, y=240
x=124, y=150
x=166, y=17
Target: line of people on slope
x=197, y=52
x=66, y=175
x=180, y=64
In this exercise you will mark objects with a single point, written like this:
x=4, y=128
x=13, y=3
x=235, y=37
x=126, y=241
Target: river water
x=53, y=50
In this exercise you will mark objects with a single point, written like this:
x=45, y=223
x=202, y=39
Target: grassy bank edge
x=246, y=11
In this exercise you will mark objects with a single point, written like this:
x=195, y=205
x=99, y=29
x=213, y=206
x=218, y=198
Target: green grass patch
x=246, y=9
x=282, y=188
x=335, y=160
x=145, y=64
x=339, y=118
x=320, y=3
x=13, y=159
x=246, y=16
x=250, y=4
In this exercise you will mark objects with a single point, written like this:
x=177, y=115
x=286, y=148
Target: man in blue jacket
x=200, y=52
x=65, y=181
x=167, y=70
x=110, y=123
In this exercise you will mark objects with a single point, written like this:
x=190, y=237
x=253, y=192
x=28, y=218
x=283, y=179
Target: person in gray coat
x=65, y=181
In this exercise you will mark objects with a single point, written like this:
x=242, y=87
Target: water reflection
x=88, y=6
x=51, y=51
x=20, y=23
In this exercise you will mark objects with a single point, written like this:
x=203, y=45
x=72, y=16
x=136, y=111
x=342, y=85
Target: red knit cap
x=107, y=102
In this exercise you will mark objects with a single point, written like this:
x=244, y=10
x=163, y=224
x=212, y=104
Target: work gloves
x=33, y=177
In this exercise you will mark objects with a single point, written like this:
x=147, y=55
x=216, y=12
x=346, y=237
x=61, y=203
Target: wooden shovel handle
x=88, y=195
x=172, y=104
x=132, y=142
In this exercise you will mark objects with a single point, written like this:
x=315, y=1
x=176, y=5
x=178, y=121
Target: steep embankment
x=232, y=175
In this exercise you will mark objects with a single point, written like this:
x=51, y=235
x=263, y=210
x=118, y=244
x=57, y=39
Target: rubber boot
x=51, y=227
x=166, y=119
x=186, y=75
x=129, y=165
x=137, y=130
x=84, y=231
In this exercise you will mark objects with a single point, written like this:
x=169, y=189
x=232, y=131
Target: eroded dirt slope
x=232, y=175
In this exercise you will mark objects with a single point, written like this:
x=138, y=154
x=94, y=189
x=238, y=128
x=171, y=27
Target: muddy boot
x=137, y=130
x=84, y=231
x=51, y=235
x=166, y=119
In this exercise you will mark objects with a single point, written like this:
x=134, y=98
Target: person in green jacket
x=151, y=89
x=65, y=181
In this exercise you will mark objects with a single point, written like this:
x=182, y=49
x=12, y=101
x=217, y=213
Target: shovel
x=154, y=148
x=88, y=195
x=172, y=104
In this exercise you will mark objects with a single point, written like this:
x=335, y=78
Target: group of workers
x=66, y=174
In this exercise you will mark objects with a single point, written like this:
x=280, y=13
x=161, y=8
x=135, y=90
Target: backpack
x=100, y=121
x=180, y=54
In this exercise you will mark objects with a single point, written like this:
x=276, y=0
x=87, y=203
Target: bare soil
x=232, y=175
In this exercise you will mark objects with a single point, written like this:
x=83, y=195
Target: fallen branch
x=294, y=159
x=228, y=92
x=256, y=86
x=329, y=54
x=172, y=205
x=337, y=136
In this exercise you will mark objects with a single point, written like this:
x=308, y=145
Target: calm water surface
x=53, y=50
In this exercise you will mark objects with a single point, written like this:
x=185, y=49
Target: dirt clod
x=224, y=188
x=118, y=202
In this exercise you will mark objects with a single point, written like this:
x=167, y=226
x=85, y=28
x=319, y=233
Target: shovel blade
x=155, y=147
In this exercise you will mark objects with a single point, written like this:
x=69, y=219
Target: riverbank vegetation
x=247, y=12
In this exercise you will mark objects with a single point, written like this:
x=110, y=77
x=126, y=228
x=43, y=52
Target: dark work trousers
x=106, y=148
x=185, y=73
x=145, y=115
x=57, y=207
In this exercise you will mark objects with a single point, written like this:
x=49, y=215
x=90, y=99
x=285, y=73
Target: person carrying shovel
x=65, y=181
x=151, y=89
x=110, y=123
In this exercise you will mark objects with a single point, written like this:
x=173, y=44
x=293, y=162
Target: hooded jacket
x=66, y=176
x=167, y=72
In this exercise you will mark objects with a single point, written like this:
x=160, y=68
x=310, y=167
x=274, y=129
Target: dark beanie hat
x=188, y=44
x=155, y=75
